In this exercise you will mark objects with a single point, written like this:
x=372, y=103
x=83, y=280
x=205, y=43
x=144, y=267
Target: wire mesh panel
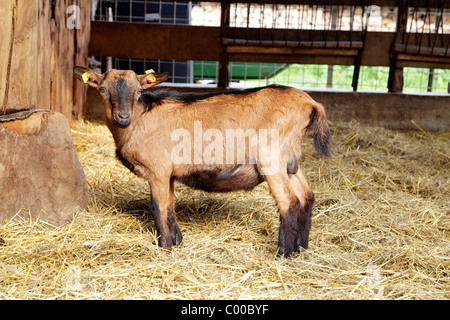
x=293, y=25
x=171, y=12
x=424, y=32
x=296, y=16
x=422, y=37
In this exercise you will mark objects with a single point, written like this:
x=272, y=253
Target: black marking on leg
x=289, y=230
x=164, y=240
x=295, y=225
x=175, y=231
x=304, y=221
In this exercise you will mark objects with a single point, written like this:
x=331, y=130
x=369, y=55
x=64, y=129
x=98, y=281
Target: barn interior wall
x=388, y=110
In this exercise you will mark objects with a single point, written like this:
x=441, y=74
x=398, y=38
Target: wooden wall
x=37, y=55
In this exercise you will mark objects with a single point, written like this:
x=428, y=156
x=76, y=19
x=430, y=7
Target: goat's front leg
x=163, y=210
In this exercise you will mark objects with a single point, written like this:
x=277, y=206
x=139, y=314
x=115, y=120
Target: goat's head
x=120, y=90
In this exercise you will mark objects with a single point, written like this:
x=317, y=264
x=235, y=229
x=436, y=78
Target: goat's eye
x=139, y=91
x=102, y=90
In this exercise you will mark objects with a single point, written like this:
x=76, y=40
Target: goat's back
x=257, y=108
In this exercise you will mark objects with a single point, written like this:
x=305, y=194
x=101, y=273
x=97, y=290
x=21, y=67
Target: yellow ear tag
x=151, y=79
x=85, y=77
x=149, y=71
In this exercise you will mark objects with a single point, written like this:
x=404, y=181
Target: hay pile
x=380, y=231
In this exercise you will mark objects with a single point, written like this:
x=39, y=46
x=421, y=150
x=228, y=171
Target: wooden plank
x=82, y=37
x=62, y=40
x=43, y=47
x=152, y=41
x=291, y=51
x=66, y=61
x=284, y=58
x=414, y=49
x=293, y=37
x=22, y=93
x=376, y=48
x=423, y=58
x=6, y=30
x=56, y=86
x=294, y=44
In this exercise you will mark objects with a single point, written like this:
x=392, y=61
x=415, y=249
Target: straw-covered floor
x=381, y=230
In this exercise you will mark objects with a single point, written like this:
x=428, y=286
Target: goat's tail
x=321, y=131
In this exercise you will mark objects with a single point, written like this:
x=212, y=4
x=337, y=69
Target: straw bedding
x=380, y=230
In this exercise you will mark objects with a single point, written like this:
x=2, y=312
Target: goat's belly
x=244, y=177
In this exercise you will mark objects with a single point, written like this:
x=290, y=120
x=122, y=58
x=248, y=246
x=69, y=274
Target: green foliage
x=370, y=78
x=316, y=76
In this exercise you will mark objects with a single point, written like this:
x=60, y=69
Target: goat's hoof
x=282, y=252
x=177, y=238
x=165, y=243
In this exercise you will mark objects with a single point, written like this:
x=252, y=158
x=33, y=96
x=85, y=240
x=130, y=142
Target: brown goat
x=160, y=137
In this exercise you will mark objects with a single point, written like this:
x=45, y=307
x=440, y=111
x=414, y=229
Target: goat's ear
x=152, y=79
x=87, y=75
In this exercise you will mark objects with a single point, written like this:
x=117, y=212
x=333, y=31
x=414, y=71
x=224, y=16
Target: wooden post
x=82, y=37
x=395, y=81
x=358, y=58
x=44, y=52
x=223, y=78
x=18, y=54
x=7, y=30
x=334, y=17
x=430, y=80
x=330, y=76
x=356, y=70
x=436, y=30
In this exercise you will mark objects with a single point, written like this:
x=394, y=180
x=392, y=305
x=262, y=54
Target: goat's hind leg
x=289, y=206
x=175, y=231
x=298, y=185
x=290, y=228
x=295, y=201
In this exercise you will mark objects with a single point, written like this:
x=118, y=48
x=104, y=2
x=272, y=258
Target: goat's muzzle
x=122, y=120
